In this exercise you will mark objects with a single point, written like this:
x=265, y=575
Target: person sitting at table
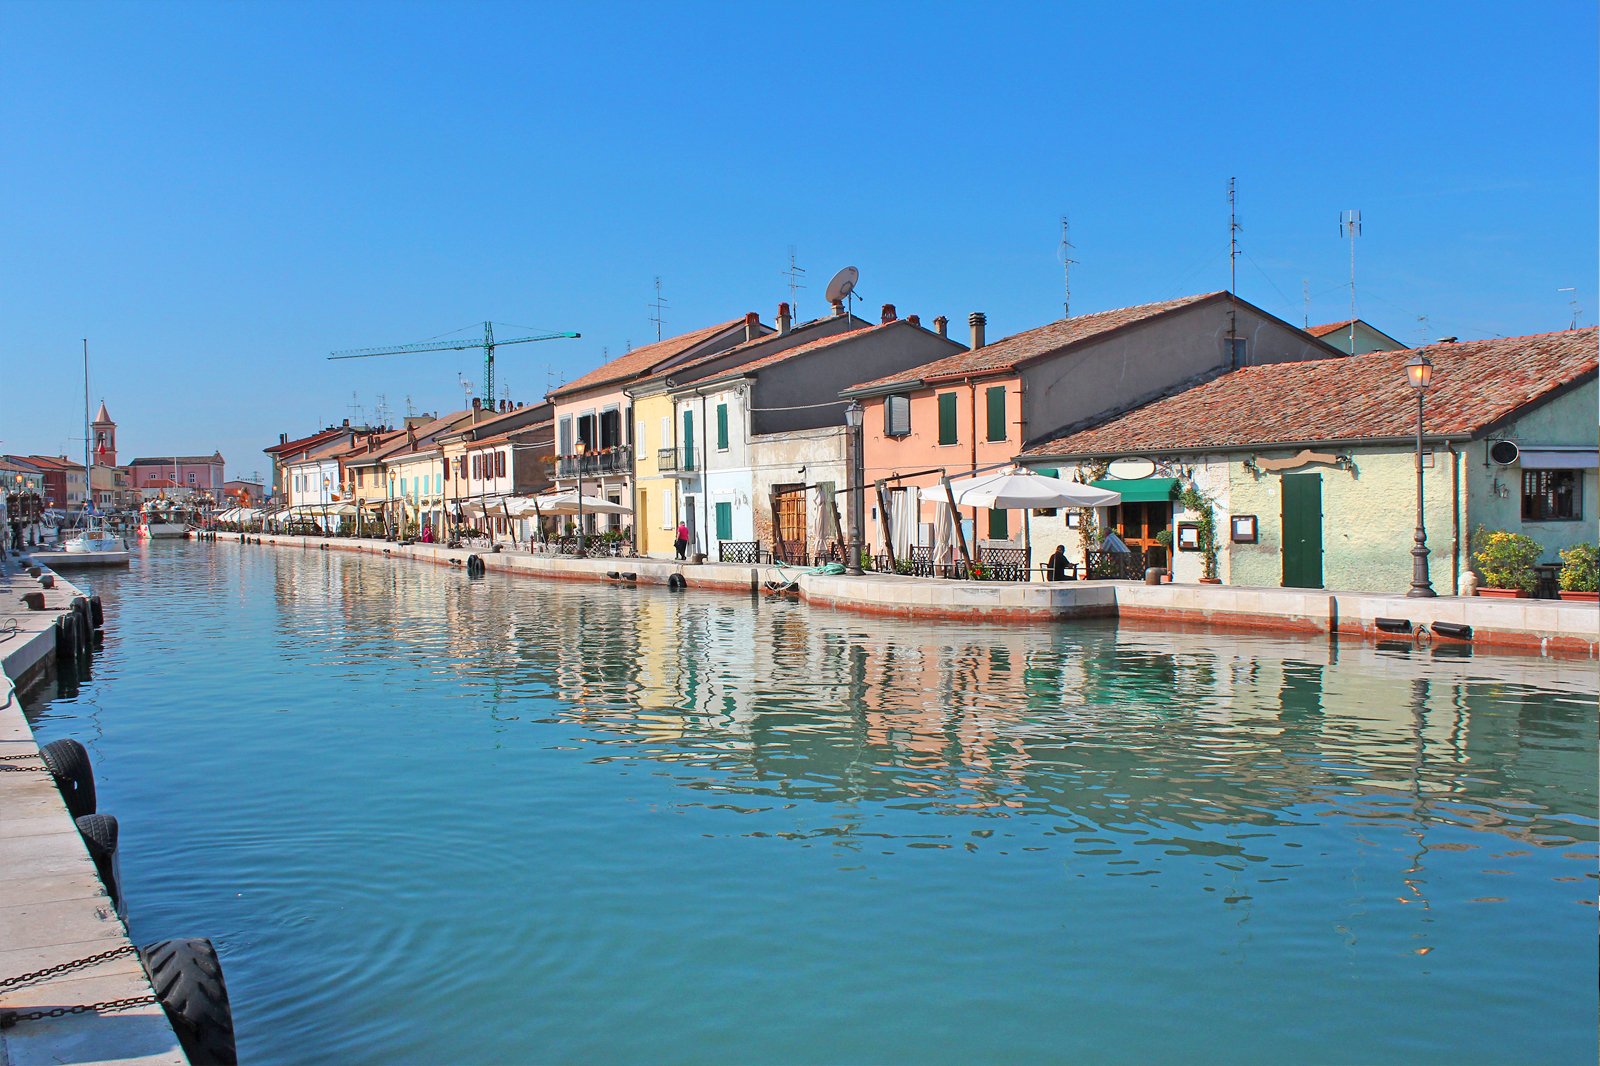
x=1058, y=563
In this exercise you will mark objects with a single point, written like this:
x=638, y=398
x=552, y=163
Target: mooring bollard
x=1154, y=574
x=33, y=600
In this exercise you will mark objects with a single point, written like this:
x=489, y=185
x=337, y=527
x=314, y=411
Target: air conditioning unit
x=1504, y=452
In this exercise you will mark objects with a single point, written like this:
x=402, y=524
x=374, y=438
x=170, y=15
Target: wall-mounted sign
x=1188, y=537
x=1131, y=469
x=1244, y=529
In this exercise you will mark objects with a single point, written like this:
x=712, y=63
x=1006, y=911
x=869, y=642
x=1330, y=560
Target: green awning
x=1143, y=490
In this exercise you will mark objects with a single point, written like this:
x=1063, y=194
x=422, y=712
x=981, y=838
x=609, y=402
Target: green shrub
x=1580, y=568
x=1507, y=560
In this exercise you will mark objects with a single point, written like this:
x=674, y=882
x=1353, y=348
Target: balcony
x=618, y=460
x=667, y=460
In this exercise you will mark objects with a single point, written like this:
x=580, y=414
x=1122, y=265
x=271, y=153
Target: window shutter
x=997, y=412
x=688, y=440
x=947, y=418
x=724, y=521
x=722, y=427
x=499, y=464
x=999, y=524
x=897, y=416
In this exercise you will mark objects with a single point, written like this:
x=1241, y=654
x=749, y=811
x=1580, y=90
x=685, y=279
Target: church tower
x=103, y=432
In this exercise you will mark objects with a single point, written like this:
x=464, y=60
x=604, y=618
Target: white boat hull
x=162, y=530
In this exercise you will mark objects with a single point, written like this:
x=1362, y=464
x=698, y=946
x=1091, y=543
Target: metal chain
x=10, y=1017
x=25, y=755
x=65, y=967
x=24, y=769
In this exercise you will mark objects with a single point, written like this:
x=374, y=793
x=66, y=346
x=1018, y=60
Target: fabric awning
x=1143, y=490
x=1560, y=459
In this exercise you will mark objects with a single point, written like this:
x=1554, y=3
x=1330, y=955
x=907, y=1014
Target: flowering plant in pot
x=1580, y=572
x=1199, y=503
x=1507, y=560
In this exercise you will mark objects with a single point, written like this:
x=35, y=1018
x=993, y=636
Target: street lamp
x=1419, y=374
x=583, y=448
x=854, y=415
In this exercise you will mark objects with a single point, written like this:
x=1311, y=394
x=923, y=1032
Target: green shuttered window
x=947, y=418
x=722, y=427
x=688, y=440
x=999, y=525
x=996, y=397
x=724, y=521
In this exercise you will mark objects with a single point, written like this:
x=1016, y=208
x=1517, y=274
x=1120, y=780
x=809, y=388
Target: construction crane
x=488, y=344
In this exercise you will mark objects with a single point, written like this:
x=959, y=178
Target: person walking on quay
x=681, y=545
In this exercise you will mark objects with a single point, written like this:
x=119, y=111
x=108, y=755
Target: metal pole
x=582, y=540
x=1420, y=585
x=858, y=500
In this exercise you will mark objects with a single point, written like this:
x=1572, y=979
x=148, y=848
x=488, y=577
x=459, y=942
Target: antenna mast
x=794, y=274
x=656, y=307
x=1350, y=226
x=1066, y=267
x=1572, y=302
x=1305, y=301
x=1233, y=274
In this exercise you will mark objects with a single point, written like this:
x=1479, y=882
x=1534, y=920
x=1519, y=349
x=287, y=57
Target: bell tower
x=103, y=435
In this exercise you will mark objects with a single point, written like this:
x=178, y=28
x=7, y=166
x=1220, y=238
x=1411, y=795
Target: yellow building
x=655, y=504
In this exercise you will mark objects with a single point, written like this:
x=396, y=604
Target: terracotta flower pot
x=1590, y=597
x=1502, y=594
x=1211, y=581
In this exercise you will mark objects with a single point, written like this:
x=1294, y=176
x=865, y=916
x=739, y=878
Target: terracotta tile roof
x=1008, y=353
x=1476, y=384
x=643, y=360
x=168, y=460
x=305, y=442
x=51, y=462
x=742, y=349
x=1330, y=327
x=816, y=345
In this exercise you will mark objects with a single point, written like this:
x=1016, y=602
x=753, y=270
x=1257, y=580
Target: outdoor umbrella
x=1015, y=487
x=567, y=503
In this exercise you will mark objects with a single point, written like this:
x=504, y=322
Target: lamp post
x=853, y=417
x=582, y=541
x=1419, y=373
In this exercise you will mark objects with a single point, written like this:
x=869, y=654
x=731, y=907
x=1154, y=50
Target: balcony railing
x=618, y=460
x=666, y=460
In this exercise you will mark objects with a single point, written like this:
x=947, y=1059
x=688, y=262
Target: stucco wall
x=1137, y=364
x=1496, y=491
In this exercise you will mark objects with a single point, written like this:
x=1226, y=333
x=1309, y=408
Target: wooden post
x=888, y=527
x=955, y=516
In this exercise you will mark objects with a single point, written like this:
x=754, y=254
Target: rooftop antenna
x=505, y=392
x=410, y=410
x=794, y=274
x=1572, y=302
x=1422, y=327
x=843, y=287
x=1305, y=301
x=1233, y=273
x=467, y=388
x=1350, y=226
x=655, y=315
x=380, y=411
x=355, y=408
x=1066, y=267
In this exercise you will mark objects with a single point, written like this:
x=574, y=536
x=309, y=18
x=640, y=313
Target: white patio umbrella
x=1017, y=488
x=566, y=503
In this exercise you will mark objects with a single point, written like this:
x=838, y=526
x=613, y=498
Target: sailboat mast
x=88, y=479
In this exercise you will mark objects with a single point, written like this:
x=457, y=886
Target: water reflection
x=413, y=761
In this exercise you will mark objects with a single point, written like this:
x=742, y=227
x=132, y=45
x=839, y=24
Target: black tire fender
x=676, y=582
x=187, y=977
x=100, y=832
x=68, y=644
x=97, y=612
x=68, y=763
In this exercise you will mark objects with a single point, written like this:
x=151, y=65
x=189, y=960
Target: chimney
x=783, y=319
x=477, y=403
x=838, y=309
x=888, y=313
x=752, y=325
x=1448, y=340
x=347, y=423
x=941, y=326
x=283, y=438
x=977, y=320
x=915, y=320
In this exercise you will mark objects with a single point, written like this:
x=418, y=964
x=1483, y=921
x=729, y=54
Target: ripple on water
x=420, y=813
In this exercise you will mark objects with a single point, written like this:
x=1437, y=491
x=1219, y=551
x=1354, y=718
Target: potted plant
x=1199, y=504
x=1506, y=561
x=1580, y=572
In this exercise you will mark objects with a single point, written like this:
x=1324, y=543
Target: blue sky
x=218, y=195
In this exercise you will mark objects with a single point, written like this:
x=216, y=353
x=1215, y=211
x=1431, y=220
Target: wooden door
x=791, y=526
x=1302, y=531
x=1138, y=523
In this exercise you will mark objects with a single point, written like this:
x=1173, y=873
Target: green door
x=1302, y=531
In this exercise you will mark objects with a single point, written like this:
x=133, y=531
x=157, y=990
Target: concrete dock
x=53, y=908
x=1539, y=627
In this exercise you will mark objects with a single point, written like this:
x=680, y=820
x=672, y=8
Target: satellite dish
x=842, y=285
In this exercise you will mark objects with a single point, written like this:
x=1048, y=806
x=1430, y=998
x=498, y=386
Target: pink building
x=180, y=475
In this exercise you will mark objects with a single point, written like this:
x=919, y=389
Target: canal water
x=430, y=819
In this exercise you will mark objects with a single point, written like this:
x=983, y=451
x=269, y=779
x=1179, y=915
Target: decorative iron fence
x=738, y=551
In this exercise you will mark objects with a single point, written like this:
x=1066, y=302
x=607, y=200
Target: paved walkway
x=1546, y=627
x=52, y=906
